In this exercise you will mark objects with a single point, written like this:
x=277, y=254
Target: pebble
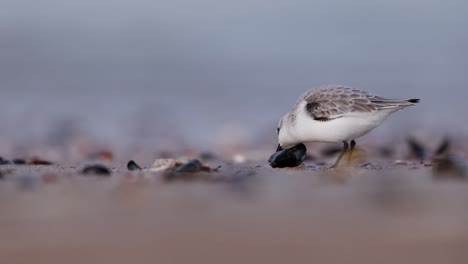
x=19, y=161
x=191, y=166
x=4, y=161
x=164, y=164
x=290, y=157
x=96, y=169
x=132, y=166
x=39, y=161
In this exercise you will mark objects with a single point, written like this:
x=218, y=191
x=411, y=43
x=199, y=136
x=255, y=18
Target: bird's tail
x=394, y=103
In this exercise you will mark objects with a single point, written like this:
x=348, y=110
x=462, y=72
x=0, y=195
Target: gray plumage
x=333, y=101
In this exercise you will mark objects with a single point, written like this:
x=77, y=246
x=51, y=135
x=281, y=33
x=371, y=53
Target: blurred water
x=156, y=69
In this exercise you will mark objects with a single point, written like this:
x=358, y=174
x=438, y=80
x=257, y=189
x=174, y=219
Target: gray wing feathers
x=331, y=102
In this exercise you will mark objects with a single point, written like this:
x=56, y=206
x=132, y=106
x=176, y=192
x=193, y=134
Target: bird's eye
x=277, y=131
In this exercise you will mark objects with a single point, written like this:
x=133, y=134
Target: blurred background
x=136, y=78
x=148, y=71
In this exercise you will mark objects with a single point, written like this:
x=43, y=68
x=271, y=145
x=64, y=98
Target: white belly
x=341, y=129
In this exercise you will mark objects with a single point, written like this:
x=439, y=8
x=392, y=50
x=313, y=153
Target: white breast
x=345, y=128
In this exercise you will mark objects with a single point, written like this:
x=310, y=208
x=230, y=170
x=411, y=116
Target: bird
x=335, y=113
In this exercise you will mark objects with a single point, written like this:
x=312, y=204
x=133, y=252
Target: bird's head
x=283, y=131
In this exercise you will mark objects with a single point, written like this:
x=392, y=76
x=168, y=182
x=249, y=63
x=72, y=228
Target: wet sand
x=245, y=212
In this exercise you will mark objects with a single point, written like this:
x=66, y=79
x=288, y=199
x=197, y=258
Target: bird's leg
x=345, y=148
x=353, y=144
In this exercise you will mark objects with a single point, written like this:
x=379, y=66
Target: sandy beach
x=244, y=212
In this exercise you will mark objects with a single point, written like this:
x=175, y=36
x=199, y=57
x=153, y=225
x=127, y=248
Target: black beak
x=279, y=148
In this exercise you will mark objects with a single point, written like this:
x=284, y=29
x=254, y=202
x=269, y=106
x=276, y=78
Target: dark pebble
x=290, y=157
x=97, y=170
x=19, y=161
x=191, y=166
x=132, y=166
x=4, y=161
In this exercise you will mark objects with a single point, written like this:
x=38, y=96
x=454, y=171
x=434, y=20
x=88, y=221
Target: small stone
x=191, y=166
x=164, y=164
x=181, y=166
x=39, y=161
x=96, y=169
x=290, y=157
x=132, y=166
x=4, y=161
x=19, y=161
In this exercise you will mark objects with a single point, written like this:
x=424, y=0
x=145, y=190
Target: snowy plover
x=334, y=113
